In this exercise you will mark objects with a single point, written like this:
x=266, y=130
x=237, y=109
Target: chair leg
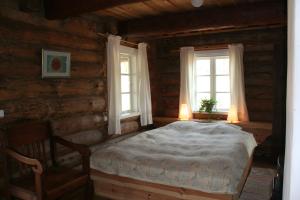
x=89, y=191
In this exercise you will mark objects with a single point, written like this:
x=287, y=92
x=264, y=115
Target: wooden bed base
x=122, y=188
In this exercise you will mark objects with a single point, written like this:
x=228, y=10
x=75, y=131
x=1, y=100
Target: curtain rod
x=215, y=46
x=106, y=35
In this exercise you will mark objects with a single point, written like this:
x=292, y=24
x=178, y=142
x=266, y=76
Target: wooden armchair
x=31, y=168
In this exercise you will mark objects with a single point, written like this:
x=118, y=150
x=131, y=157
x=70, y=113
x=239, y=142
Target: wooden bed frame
x=123, y=188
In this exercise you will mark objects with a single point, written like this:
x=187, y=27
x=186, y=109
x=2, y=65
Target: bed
x=184, y=160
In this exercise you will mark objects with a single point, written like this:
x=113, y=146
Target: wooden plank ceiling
x=159, y=7
x=149, y=18
x=210, y=19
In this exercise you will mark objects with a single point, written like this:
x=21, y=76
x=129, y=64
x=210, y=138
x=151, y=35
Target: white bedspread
x=209, y=157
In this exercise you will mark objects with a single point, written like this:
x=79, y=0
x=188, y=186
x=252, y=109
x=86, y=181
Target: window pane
x=223, y=101
x=203, y=67
x=203, y=84
x=199, y=98
x=222, y=66
x=125, y=83
x=126, y=105
x=222, y=84
x=124, y=65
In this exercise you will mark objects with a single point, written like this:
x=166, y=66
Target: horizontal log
x=258, y=47
x=170, y=91
x=89, y=137
x=22, y=51
x=261, y=105
x=259, y=75
x=18, y=89
x=75, y=124
x=257, y=68
x=259, y=92
x=259, y=58
x=170, y=78
x=19, y=69
x=171, y=112
x=259, y=14
x=258, y=82
x=47, y=38
x=82, y=105
x=261, y=116
x=84, y=70
x=29, y=70
x=129, y=126
x=75, y=26
x=250, y=37
x=38, y=108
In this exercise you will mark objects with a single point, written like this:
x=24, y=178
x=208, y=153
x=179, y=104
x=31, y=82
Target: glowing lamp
x=233, y=115
x=184, y=112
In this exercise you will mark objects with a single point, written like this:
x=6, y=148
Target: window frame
x=212, y=55
x=130, y=53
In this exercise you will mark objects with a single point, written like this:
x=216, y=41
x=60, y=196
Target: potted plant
x=207, y=106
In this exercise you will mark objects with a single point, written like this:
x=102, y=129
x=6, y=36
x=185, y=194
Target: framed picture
x=55, y=64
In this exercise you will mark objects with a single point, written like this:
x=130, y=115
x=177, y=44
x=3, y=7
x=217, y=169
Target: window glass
x=128, y=80
x=212, y=79
x=203, y=67
x=203, y=84
x=125, y=83
x=124, y=65
x=222, y=84
x=126, y=103
x=222, y=66
x=223, y=101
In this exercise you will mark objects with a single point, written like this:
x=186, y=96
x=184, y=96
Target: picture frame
x=55, y=64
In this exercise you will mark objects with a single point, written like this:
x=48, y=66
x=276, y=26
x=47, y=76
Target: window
x=212, y=79
x=128, y=81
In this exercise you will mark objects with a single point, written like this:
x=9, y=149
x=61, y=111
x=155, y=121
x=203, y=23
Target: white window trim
x=132, y=52
x=211, y=54
x=129, y=115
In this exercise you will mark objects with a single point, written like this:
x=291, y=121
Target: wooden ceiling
x=206, y=20
x=160, y=7
x=160, y=18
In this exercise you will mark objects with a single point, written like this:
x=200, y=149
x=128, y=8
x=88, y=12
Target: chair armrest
x=34, y=163
x=82, y=149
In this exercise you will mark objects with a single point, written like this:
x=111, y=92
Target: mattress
x=209, y=157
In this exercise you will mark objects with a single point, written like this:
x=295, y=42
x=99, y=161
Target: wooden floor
x=258, y=185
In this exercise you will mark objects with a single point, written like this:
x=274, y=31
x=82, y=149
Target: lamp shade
x=184, y=112
x=232, y=115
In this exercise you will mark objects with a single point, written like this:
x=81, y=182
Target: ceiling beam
x=207, y=19
x=60, y=9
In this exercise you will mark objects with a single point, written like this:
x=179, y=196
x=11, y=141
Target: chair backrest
x=31, y=139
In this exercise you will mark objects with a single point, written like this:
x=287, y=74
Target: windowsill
x=129, y=115
x=217, y=113
x=213, y=115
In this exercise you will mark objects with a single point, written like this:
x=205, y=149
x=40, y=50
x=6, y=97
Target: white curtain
x=186, y=78
x=114, y=85
x=238, y=109
x=144, y=97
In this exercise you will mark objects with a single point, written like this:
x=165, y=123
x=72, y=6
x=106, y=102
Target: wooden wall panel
x=76, y=106
x=73, y=104
x=259, y=61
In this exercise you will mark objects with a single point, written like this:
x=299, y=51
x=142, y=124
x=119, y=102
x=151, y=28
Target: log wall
x=76, y=106
x=24, y=94
x=260, y=62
